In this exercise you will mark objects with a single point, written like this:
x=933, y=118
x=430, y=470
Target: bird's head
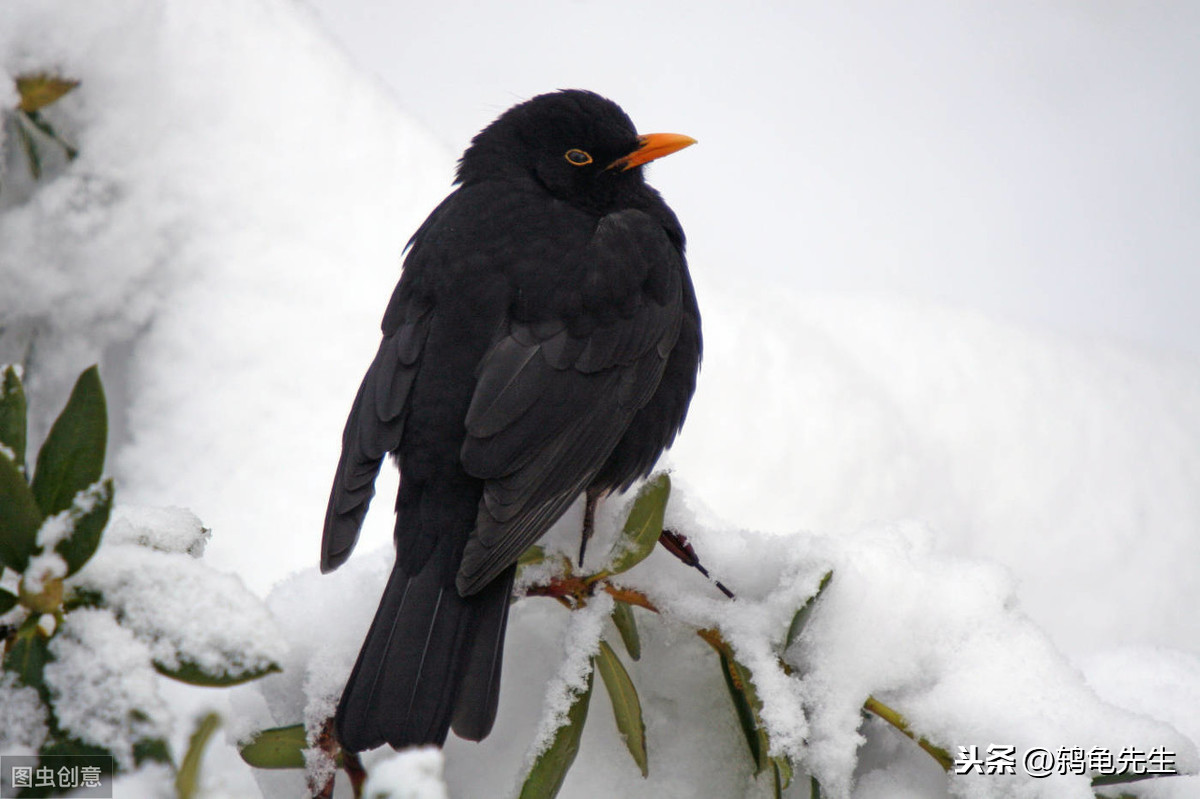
x=577, y=145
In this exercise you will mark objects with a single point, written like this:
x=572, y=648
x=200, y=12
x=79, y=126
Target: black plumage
x=543, y=341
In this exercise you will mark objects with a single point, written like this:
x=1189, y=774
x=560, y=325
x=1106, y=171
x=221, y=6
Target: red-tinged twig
x=355, y=771
x=327, y=743
x=630, y=597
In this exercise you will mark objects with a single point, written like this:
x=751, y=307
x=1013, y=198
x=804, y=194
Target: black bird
x=542, y=343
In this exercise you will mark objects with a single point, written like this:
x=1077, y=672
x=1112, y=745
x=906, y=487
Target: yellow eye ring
x=576, y=157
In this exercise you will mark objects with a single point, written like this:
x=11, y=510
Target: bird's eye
x=578, y=157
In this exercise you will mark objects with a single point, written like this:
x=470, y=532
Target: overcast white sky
x=1039, y=161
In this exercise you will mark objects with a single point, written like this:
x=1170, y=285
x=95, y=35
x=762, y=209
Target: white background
x=1037, y=161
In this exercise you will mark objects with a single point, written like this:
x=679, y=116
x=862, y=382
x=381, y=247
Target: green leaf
x=7, y=601
x=73, y=456
x=82, y=598
x=12, y=415
x=626, y=625
x=29, y=145
x=27, y=655
x=187, y=779
x=278, y=747
x=548, y=772
x=805, y=611
x=781, y=769
x=19, y=518
x=627, y=708
x=151, y=750
x=1128, y=777
x=532, y=555
x=89, y=512
x=35, y=118
x=644, y=524
x=193, y=674
x=747, y=705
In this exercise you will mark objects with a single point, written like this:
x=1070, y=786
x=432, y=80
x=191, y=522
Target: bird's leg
x=589, y=520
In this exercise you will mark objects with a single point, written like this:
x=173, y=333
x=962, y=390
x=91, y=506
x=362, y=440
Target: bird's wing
x=553, y=398
x=375, y=424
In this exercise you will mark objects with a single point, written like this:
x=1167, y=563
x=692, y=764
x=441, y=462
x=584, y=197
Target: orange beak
x=651, y=146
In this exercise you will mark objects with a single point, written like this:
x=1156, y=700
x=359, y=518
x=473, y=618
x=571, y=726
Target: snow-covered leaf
x=12, y=416
x=278, y=747
x=801, y=617
x=24, y=715
x=194, y=674
x=19, y=517
x=88, y=515
x=164, y=529
x=202, y=626
x=551, y=767
x=627, y=708
x=103, y=689
x=644, y=524
x=72, y=457
x=62, y=745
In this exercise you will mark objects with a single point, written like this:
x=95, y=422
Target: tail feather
x=479, y=692
x=431, y=658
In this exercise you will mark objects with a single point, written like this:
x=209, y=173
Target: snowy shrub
x=802, y=684
x=88, y=628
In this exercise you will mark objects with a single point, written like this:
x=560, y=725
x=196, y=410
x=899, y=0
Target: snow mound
x=24, y=716
x=165, y=529
x=1074, y=463
x=413, y=774
x=105, y=691
x=224, y=245
x=186, y=612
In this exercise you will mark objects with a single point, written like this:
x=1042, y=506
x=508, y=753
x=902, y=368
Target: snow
x=49, y=564
x=43, y=568
x=165, y=529
x=1162, y=683
x=24, y=728
x=1009, y=515
x=580, y=644
x=102, y=685
x=412, y=774
x=186, y=612
x=938, y=635
x=1075, y=463
x=214, y=220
